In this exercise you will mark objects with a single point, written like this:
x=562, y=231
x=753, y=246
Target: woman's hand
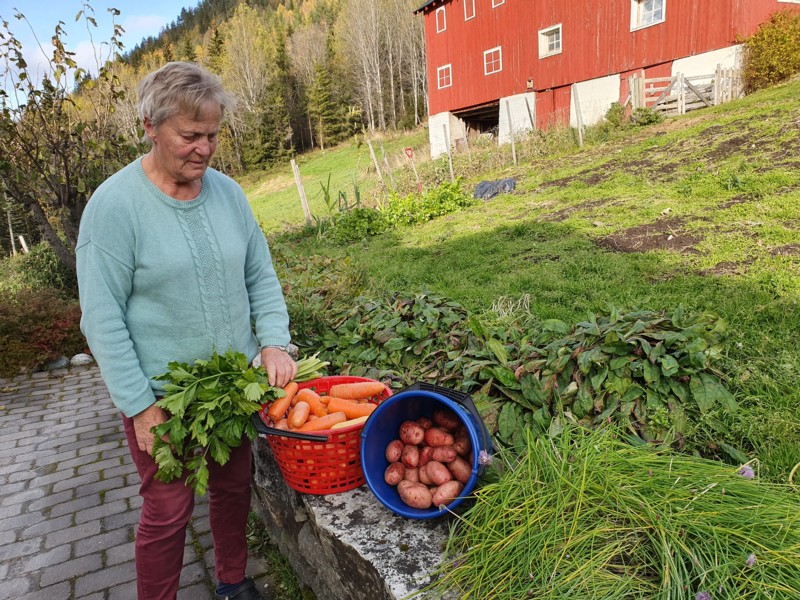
x=144, y=422
x=280, y=367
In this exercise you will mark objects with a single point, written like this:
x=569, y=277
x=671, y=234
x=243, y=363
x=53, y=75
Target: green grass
x=723, y=182
x=275, y=198
x=589, y=516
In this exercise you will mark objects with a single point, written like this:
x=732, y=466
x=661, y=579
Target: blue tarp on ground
x=489, y=189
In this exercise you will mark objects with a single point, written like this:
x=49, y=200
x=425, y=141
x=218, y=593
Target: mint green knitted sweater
x=165, y=280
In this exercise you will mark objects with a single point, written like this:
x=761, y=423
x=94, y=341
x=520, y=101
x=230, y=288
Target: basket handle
x=265, y=429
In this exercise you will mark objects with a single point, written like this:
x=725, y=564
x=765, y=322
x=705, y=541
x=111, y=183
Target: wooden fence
x=680, y=94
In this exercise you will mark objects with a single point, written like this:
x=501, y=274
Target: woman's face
x=184, y=144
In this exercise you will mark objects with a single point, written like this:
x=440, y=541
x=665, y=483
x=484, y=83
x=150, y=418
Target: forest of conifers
x=305, y=73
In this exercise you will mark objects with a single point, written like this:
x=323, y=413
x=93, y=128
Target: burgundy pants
x=166, y=509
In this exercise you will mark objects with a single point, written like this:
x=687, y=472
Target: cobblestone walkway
x=69, y=499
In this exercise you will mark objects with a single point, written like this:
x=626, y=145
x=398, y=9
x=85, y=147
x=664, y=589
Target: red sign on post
x=410, y=153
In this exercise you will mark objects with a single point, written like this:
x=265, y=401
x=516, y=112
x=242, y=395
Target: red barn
x=512, y=63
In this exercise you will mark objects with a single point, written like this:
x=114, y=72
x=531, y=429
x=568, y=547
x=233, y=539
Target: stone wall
x=346, y=545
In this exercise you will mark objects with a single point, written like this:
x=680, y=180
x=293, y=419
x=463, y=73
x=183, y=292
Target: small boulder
x=81, y=360
x=62, y=362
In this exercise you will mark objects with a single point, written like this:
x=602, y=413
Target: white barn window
x=444, y=76
x=550, y=41
x=441, y=20
x=493, y=60
x=645, y=13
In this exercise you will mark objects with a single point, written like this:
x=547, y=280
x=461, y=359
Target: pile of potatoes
x=431, y=461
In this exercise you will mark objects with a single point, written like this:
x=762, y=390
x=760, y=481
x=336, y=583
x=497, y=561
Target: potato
x=438, y=473
x=412, y=474
x=462, y=445
x=395, y=473
x=444, y=454
x=411, y=433
x=446, y=419
x=447, y=492
x=393, y=450
x=425, y=455
x=436, y=436
x=422, y=472
x=415, y=495
x=425, y=422
x=461, y=469
x=410, y=456
x=404, y=483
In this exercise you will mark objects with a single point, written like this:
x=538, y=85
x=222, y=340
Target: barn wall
x=596, y=37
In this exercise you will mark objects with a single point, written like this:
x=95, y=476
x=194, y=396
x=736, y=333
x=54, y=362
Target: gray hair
x=179, y=87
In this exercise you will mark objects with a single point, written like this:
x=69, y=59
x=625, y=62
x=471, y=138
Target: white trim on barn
x=596, y=97
x=522, y=108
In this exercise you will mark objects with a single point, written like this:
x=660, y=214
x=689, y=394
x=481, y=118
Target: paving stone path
x=69, y=499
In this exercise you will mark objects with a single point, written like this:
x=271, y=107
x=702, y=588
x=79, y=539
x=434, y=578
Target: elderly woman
x=171, y=267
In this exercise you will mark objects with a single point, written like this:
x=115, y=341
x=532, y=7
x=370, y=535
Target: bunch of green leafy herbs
x=210, y=403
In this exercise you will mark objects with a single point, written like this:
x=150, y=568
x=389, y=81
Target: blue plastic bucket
x=383, y=425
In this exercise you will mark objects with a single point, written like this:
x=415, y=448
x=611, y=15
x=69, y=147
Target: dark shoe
x=246, y=591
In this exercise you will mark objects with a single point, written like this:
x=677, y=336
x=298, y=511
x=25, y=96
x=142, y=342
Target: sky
x=139, y=19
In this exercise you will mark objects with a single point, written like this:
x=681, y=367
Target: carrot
x=357, y=391
x=312, y=398
x=299, y=414
x=349, y=423
x=279, y=407
x=323, y=423
x=352, y=409
x=282, y=424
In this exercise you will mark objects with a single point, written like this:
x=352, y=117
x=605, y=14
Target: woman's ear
x=149, y=130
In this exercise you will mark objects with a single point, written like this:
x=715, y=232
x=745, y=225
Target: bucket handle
x=264, y=429
x=461, y=398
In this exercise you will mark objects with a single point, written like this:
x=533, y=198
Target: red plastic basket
x=322, y=467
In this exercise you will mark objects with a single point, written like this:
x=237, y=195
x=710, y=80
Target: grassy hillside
x=275, y=198
x=701, y=211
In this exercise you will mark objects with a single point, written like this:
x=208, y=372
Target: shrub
x=646, y=116
x=355, y=225
x=615, y=116
x=772, y=53
x=414, y=209
x=37, y=326
x=40, y=268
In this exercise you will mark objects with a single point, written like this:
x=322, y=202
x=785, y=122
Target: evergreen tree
x=188, y=51
x=216, y=48
x=321, y=108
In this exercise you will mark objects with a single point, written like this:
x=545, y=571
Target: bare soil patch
x=664, y=234
x=727, y=268
x=787, y=250
x=564, y=213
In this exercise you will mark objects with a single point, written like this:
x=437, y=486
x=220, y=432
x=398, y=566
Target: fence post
x=578, y=115
x=301, y=190
x=717, y=85
x=386, y=164
x=681, y=95
x=449, y=153
x=375, y=162
x=511, y=133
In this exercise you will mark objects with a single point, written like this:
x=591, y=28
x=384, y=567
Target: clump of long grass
x=587, y=515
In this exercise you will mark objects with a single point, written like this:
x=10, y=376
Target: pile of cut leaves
x=655, y=372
